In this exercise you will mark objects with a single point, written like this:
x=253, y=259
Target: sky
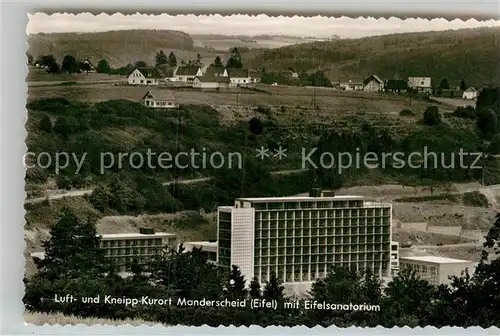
x=318, y=26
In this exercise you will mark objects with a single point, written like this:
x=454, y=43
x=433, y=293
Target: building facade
x=211, y=82
x=123, y=248
x=436, y=270
x=144, y=76
x=394, y=258
x=421, y=84
x=373, y=84
x=299, y=238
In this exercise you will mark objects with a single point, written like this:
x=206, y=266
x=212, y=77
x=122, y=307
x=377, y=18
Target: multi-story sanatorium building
x=299, y=238
x=124, y=248
x=209, y=248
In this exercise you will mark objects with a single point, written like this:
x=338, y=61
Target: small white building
x=91, y=67
x=144, y=76
x=470, y=93
x=436, y=270
x=373, y=84
x=159, y=99
x=421, y=84
x=211, y=82
x=351, y=86
x=238, y=77
x=187, y=73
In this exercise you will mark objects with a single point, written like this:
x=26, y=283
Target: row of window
x=321, y=232
x=136, y=251
x=134, y=242
x=312, y=214
x=356, y=204
x=321, y=242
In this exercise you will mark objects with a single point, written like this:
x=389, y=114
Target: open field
x=455, y=102
x=297, y=102
x=40, y=319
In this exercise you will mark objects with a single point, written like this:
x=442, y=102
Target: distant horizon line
x=337, y=36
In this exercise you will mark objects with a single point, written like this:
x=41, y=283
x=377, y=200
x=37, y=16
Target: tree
x=218, y=62
x=103, y=66
x=489, y=98
x=161, y=59
x=141, y=64
x=62, y=127
x=236, y=288
x=46, y=124
x=53, y=68
x=29, y=58
x=100, y=197
x=463, y=86
x=273, y=289
x=487, y=122
x=432, y=116
x=444, y=85
x=255, y=292
x=406, y=300
x=63, y=182
x=172, y=60
x=69, y=64
x=46, y=60
x=234, y=60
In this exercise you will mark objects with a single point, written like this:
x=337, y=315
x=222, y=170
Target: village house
x=373, y=84
x=91, y=67
x=421, y=84
x=215, y=71
x=238, y=77
x=144, y=76
x=187, y=73
x=396, y=86
x=167, y=74
x=211, y=82
x=351, y=86
x=159, y=99
x=470, y=93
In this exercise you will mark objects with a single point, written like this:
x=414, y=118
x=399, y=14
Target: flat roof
x=134, y=235
x=301, y=198
x=203, y=243
x=436, y=260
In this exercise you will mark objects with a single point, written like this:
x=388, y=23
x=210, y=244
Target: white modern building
x=209, y=248
x=124, y=248
x=436, y=270
x=299, y=238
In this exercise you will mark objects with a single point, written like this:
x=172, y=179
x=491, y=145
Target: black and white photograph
x=247, y=170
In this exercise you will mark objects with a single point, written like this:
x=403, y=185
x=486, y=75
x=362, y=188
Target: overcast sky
x=242, y=24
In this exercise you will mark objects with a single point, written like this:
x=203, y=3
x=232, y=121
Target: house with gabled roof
x=238, y=77
x=373, y=84
x=144, y=76
x=215, y=71
x=163, y=99
x=187, y=73
x=470, y=93
x=90, y=66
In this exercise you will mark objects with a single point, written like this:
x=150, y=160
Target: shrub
x=465, y=112
x=263, y=109
x=406, y=113
x=432, y=116
x=475, y=199
x=46, y=124
x=487, y=122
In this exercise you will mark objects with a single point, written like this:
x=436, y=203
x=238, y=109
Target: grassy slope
x=469, y=54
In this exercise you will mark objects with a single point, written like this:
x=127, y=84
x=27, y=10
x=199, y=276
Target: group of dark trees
x=162, y=59
x=75, y=265
x=69, y=64
x=317, y=78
